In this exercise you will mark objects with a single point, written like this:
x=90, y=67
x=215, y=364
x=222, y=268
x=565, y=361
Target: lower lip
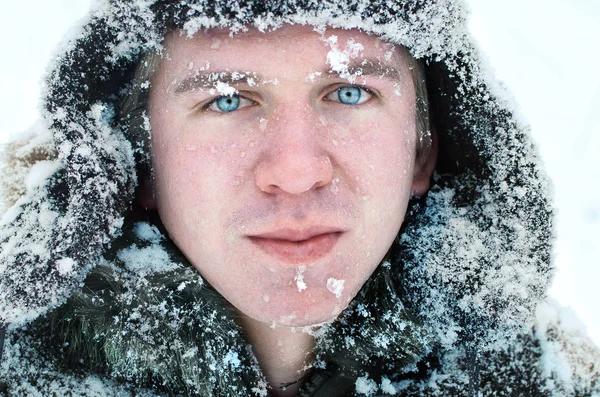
x=296, y=252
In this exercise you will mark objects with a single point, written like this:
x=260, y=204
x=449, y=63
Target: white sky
x=546, y=51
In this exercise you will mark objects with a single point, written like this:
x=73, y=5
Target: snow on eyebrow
x=201, y=81
x=339, y=59
x=355, y=69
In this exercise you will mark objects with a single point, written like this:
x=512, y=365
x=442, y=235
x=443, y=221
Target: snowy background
x=546, y=51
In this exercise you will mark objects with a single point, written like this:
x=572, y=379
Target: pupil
x=228, y=103
x=349, y=95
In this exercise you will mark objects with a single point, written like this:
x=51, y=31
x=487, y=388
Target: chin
x=303, y=309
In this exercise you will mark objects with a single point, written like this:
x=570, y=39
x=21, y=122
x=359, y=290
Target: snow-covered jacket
x=95, y=299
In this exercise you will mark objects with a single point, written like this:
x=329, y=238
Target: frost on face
x=299, y=278
x=335, y=286
x=339, y=59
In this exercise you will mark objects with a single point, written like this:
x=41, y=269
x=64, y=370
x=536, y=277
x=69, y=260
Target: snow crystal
x=225, y=89
x=312, y=76
x=232, y=359
x=39, y=173
x=299, y=278
x=365, y=385
x=564, y=346
x=349, y=341
x=65, y=266
x=147, y=260
x=335, y=286
x=387, y=387
x=148, y=232
x=339, y=60
x=11, y=214
x=261, y=389
x=191, y=352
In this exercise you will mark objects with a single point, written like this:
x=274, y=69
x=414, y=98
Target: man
x=280, y=148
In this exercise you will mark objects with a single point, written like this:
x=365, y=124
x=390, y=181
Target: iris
x=349, y=95
x=228, y=104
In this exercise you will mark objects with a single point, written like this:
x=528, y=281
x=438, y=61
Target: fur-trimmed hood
x=466, y=273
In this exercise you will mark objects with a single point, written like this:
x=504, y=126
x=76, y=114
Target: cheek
x=196, y=177
x=379, y=162
x=377, y=158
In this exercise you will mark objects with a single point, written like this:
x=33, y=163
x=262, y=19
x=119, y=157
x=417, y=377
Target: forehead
x=298, y=45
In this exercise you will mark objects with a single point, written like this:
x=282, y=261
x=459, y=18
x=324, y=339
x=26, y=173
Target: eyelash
x=370, y=93
x=250, y=102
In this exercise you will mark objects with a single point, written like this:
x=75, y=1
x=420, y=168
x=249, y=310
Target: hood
x=472, y=261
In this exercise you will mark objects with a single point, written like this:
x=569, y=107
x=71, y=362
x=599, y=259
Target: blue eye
x=349, y=95
x=227, y=104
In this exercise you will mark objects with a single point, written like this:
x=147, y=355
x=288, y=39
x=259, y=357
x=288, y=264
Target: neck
x=284, y=354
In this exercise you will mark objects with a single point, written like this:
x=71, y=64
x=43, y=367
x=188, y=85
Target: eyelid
x=244, y=103
x=371, y=93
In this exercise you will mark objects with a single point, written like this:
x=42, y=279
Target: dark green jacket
x=457, y=308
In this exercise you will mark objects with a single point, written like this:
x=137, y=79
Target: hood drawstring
x=2, y=333
x=473, y=371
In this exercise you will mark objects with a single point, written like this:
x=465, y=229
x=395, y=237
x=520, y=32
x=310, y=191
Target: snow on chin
x=335, y=286
x=299, y=279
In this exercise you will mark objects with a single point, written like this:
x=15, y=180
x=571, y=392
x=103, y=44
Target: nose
x=294, y=162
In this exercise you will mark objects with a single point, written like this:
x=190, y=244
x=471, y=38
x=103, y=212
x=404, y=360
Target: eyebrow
x=366, y=67
x=210, y=80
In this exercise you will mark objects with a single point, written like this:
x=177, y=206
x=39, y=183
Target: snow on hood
x=473, y=260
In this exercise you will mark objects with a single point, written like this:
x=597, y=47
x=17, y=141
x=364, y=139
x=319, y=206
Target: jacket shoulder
x=28, y=368
x=33, y=149
x=568, y=356
x=552, y=358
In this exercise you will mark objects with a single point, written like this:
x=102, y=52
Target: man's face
x=281, y=173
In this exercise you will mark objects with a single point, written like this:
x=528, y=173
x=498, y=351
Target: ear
x=424, y=167
x=145, y=194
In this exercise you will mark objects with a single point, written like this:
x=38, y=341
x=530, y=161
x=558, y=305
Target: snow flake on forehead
x=339, y=60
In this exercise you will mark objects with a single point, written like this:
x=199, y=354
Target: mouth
x=297, y=246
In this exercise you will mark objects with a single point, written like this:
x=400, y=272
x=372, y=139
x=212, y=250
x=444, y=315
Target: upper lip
x=291, y=234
